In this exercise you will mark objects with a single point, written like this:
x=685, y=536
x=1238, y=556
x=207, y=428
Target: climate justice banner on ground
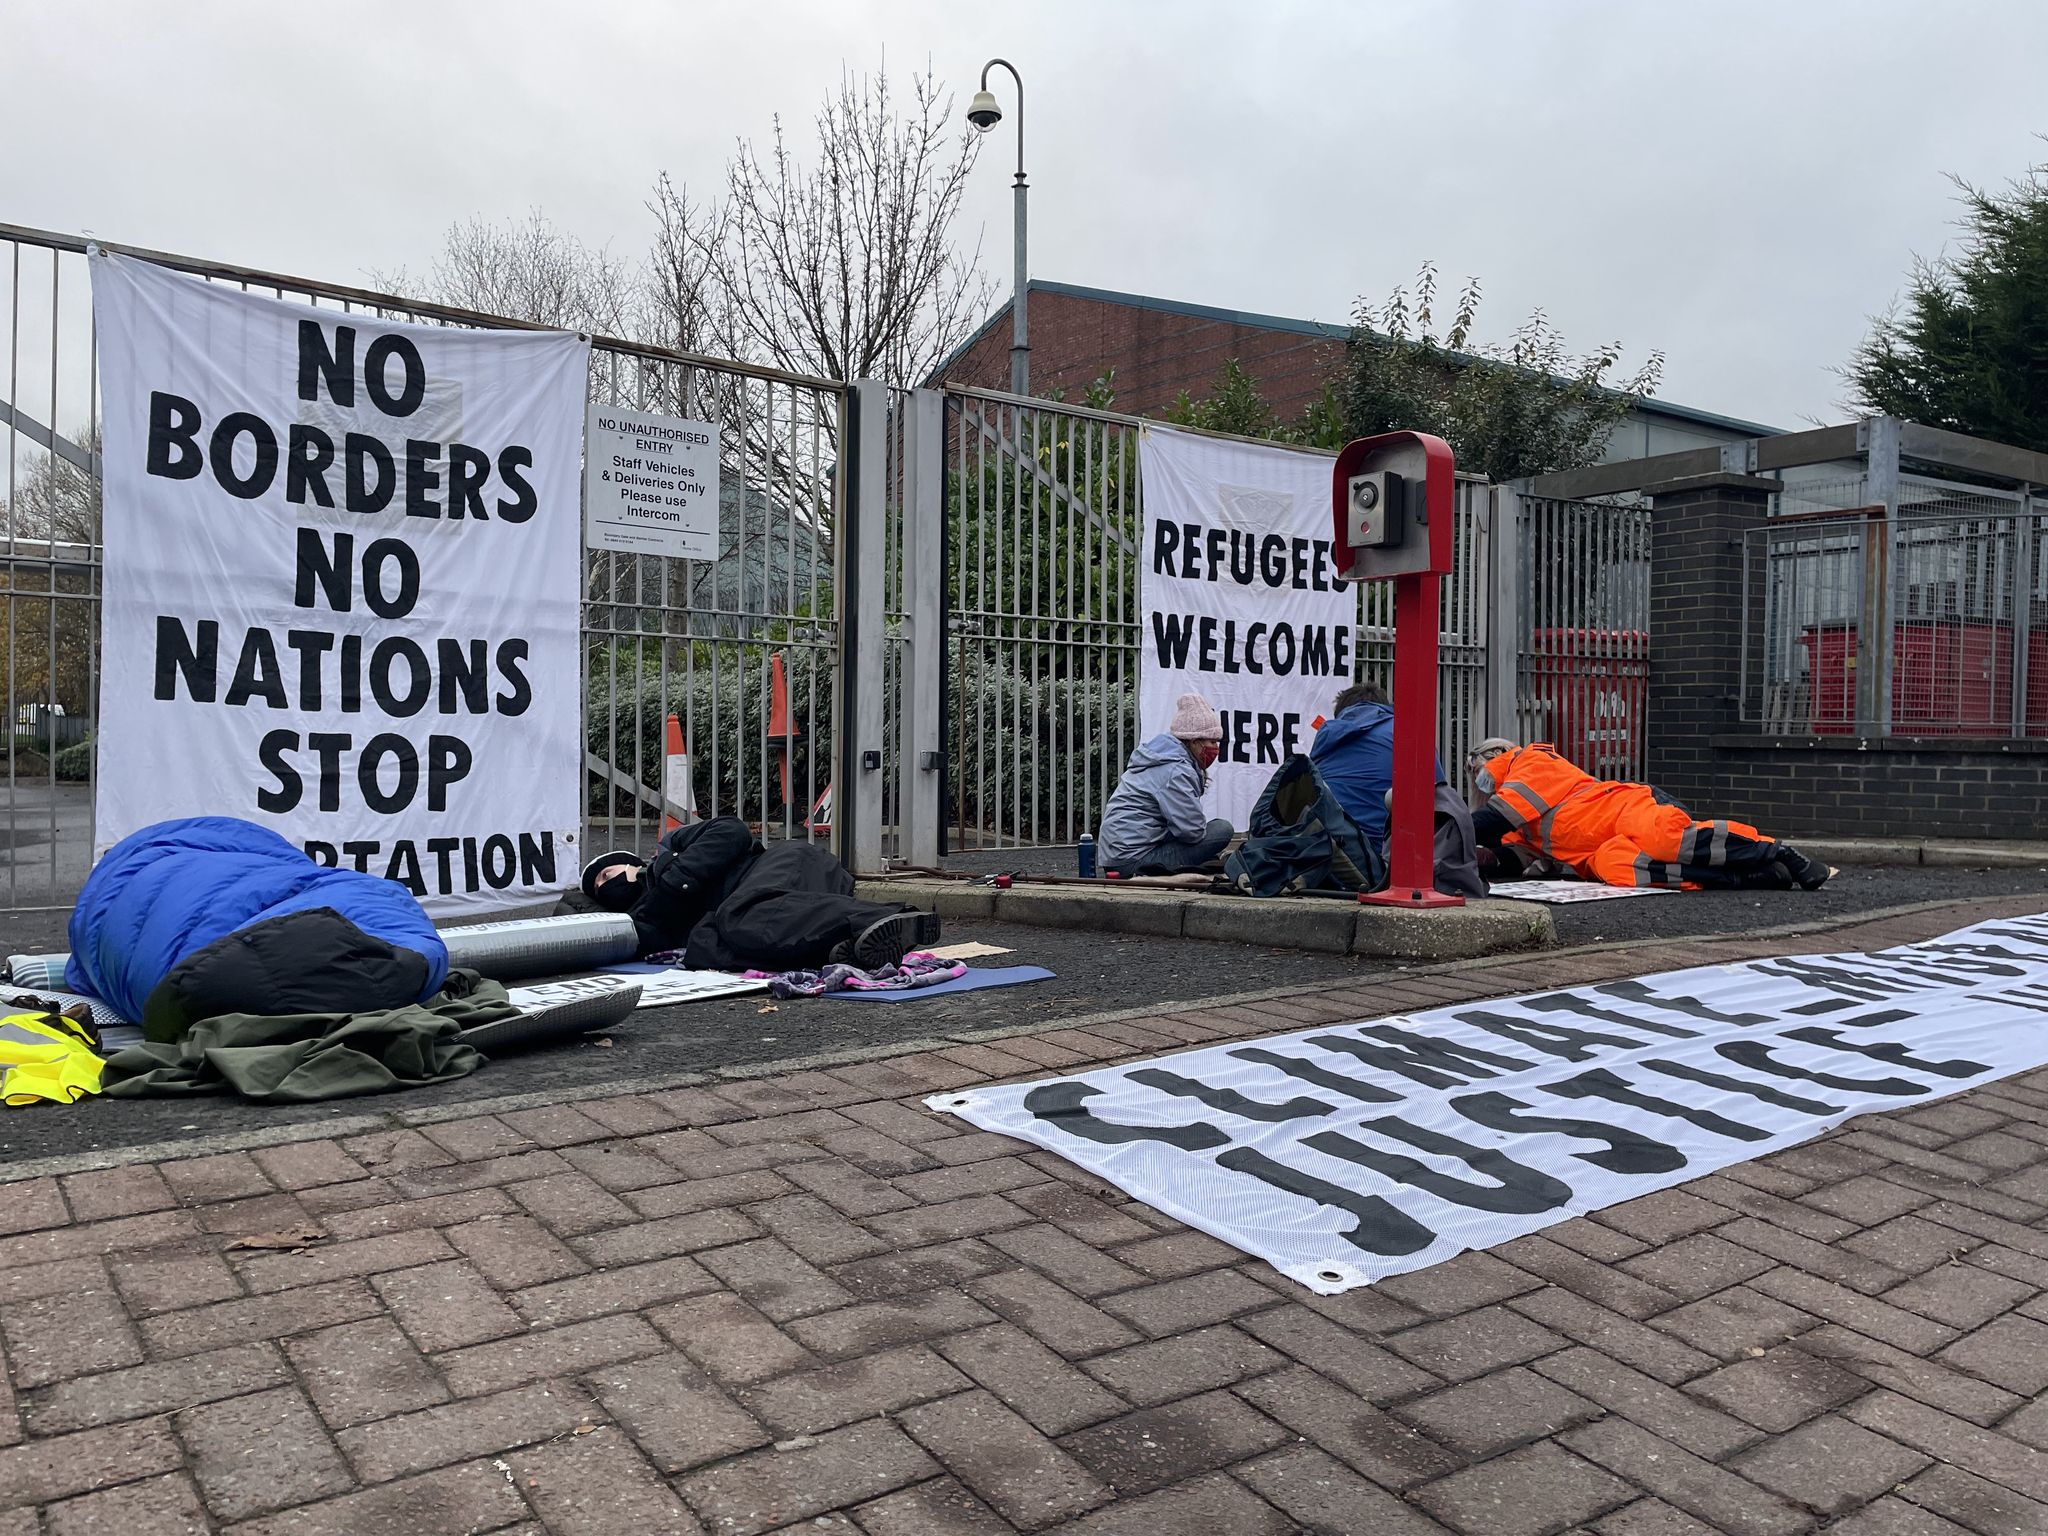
x=1240, y=601
x=1348, y=1153
x=341, y=583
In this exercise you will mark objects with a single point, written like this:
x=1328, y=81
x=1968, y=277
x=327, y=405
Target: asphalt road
x=1094, y=973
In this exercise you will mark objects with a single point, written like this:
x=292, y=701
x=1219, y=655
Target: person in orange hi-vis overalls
x=1533, y=803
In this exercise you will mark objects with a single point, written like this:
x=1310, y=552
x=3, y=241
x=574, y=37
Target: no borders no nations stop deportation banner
x=1240, y=601
x=341, y=583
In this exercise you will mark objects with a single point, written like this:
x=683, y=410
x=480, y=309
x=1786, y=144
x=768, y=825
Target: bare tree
x=527, y=269
x=842, y=264
x=842, y=267
x=847, y=268
x=46, y=620
x=55, y=500
x=680, y=289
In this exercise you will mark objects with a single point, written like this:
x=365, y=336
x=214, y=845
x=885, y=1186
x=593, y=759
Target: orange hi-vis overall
x=1616, y=832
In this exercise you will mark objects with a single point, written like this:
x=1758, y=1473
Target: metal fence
x=1043, y=633
x=1466, y=615
x=1544, y=620
x=1582, y=631
x=702, y=640
x=1928, y=621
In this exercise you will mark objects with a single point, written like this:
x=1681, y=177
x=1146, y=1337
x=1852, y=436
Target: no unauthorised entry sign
x=650, y=484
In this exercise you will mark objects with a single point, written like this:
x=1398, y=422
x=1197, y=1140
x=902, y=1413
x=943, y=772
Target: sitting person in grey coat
x=1154, y=824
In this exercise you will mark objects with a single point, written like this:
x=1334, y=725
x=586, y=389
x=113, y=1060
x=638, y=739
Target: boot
x=887, y=941
x=1807, y=874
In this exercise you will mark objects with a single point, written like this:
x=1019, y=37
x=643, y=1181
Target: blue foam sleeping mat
x=973, y=981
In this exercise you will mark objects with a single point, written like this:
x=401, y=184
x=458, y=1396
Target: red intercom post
x=1392, y=499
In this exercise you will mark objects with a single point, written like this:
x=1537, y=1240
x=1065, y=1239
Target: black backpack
x=1301, y=839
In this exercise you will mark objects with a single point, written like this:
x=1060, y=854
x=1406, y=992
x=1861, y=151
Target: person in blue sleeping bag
x=191, y=919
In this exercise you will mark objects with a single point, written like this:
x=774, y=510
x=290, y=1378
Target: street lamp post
x=985, y=114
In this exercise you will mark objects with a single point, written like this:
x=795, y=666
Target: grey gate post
x=2024, y=537
x=1878, y=437
x=920, y=782
x=862, y=558
x=1503, y=618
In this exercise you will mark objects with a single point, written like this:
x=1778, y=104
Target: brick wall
x=1896, y=787
x=1700, y=750
x=1156, y=355
x=1695, y=637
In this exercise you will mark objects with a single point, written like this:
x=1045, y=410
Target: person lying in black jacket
x=714, y=892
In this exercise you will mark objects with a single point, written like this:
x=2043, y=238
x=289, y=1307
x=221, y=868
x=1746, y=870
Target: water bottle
x=1086, y=849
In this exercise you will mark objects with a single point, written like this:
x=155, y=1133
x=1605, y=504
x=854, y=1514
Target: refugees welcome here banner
x=341, y=583
x=1240, y=601
x=1344, y=1154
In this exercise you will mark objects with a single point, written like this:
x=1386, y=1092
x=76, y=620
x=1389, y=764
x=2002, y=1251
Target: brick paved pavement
x=808, y=1304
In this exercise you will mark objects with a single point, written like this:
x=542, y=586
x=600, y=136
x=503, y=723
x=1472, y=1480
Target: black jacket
x=712, y=890
x=313, y=961
x=697, y=867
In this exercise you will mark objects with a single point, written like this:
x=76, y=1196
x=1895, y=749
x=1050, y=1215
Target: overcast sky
x=1740, y=185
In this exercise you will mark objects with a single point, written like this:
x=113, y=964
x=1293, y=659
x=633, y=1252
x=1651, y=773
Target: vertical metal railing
x=1941, y=600
x=1042, y=522
x=1583, y=621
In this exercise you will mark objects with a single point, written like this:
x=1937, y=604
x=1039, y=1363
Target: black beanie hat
x=615, y=894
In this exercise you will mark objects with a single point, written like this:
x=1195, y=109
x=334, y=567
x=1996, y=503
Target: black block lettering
x=412, y=387
x=173, y=452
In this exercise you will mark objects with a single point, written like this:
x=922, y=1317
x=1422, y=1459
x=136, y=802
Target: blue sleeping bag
x=163, y=894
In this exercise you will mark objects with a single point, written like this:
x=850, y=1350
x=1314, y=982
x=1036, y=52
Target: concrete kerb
x=406, y=1119
x=1953, y=853
x=1324, y=925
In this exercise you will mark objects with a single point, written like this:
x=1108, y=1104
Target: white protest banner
x=1561, y=893
x=341, y=584
x=1344, y=1154
x=661, y=987
x=650, y=484
x=1240, y=602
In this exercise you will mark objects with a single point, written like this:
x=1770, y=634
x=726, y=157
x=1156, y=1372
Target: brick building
x=1159, y=347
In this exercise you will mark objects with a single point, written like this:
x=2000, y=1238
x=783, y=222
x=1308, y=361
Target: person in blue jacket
x=191, y=919
x=1154, y=823
x=1354, y=753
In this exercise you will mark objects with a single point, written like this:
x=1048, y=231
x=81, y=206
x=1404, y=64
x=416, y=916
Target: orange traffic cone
x=778, y=716
x=676, y=788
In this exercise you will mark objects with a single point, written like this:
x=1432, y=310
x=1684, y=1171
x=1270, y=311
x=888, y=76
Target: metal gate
x=1580, y=583
x=1043, y=633
x=1545, y=620
x=742, y=650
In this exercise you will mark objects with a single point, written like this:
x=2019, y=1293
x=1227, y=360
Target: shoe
x=888, y=940
x=1807, y=874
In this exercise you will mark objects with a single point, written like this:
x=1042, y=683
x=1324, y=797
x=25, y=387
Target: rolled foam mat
x=37, y=970
x=542, y=946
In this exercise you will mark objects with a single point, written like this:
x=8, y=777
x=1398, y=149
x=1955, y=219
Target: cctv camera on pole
x=1392, y=498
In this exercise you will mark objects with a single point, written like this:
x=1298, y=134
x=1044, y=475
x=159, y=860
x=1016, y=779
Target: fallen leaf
x=585, y=1428
x=603, y=1042
x=295, y=1239
x=767, y=1008
x=1755, y=1353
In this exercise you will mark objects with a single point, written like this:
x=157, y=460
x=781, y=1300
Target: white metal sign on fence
x=341, y=583
x=1345, y=1154
x=650, y=484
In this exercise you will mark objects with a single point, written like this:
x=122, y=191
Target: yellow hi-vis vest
x=45, y=1056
